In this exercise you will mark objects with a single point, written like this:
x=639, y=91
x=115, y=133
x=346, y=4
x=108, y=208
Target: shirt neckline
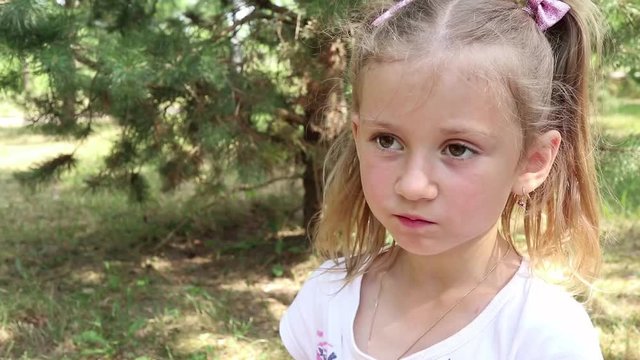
x=454, y=341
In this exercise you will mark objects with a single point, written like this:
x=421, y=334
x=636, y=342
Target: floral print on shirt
x=324, y=348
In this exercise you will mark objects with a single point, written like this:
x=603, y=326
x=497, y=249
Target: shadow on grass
x=82, y=276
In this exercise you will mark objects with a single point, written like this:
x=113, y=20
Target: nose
x=415, y=182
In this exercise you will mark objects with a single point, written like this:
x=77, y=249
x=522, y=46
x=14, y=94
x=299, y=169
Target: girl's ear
x=537, y=163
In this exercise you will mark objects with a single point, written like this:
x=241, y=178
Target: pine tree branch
x=256, y=14
x=83, y=59
x=265, y=184
x=290, y=118
x=243, y=120
x=198, y=21
x=267, y=4
x=47, y=171
x=257, y=136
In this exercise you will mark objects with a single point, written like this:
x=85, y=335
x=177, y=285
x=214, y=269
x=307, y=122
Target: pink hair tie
x=389, y=13
x=546, y=13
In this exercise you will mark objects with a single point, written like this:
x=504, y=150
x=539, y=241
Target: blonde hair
x=547, y=77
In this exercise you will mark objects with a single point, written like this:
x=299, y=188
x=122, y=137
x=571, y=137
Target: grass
x=615, y=309
x=619, y=160
x=616, y=306
x=82, y=275
x=621, y=117
x=81, y=278
x=8, y=110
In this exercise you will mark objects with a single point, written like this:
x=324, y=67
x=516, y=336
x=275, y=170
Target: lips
x=413, y=221
x=413, y=217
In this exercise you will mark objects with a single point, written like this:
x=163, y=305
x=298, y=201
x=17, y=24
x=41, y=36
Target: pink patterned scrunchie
x=546, y=13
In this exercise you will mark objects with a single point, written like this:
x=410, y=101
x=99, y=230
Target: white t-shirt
x=527, y=319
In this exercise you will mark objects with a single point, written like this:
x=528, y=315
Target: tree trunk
x=26, y=79
x=325, y=112
x=68, y=113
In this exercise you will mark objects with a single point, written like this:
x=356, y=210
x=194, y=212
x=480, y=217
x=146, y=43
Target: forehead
x=440, y=91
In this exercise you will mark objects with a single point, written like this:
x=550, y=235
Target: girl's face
x=438, y=156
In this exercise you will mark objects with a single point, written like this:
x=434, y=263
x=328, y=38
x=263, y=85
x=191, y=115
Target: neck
x=457, y=267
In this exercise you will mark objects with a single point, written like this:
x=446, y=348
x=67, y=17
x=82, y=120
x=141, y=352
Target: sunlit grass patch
x=76, y=284
x=8, y=110
x=621, y=340
x=616, y=305
x=621, y=118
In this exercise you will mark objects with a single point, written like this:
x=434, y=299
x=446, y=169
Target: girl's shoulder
x=327, y=278
x=304, y=327
x=324, y=284
x=545, y=318
x=552, y=300
x=542, y=299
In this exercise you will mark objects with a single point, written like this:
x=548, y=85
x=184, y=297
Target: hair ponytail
x=569, y=198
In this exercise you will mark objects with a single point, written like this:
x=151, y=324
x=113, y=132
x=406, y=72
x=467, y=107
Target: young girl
x=467, y=115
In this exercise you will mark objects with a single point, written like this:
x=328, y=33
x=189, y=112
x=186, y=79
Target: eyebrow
x=378, y=123
x=455, y=131
x=446, y=130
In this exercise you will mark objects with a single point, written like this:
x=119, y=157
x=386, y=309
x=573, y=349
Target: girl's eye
x=388, y=142
x=459, y=151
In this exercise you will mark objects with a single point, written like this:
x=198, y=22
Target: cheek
x=480, y=195
x=376, y=177
x=469, y=191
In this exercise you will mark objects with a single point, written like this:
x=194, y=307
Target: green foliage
x=622, y=45
x=27, y=25
x=622, y=40
x=10, y=73
x=48, y=171
x=202, y=90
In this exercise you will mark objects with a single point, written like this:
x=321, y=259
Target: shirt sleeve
x=298, y=324
x=294, y=345
x=580, y=345
x=563, y=332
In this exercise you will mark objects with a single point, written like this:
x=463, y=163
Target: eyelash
x=466, y=148
x=376, y=139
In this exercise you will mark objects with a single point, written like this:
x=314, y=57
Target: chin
x=423, y=247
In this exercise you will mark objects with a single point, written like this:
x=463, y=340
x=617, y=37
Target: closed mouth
x=413, y=218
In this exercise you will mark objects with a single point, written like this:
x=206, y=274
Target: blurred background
x=159, y=160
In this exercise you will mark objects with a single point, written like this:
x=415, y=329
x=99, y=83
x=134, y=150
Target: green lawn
x=81, y=278
x=616, y=306
x=82, y=275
